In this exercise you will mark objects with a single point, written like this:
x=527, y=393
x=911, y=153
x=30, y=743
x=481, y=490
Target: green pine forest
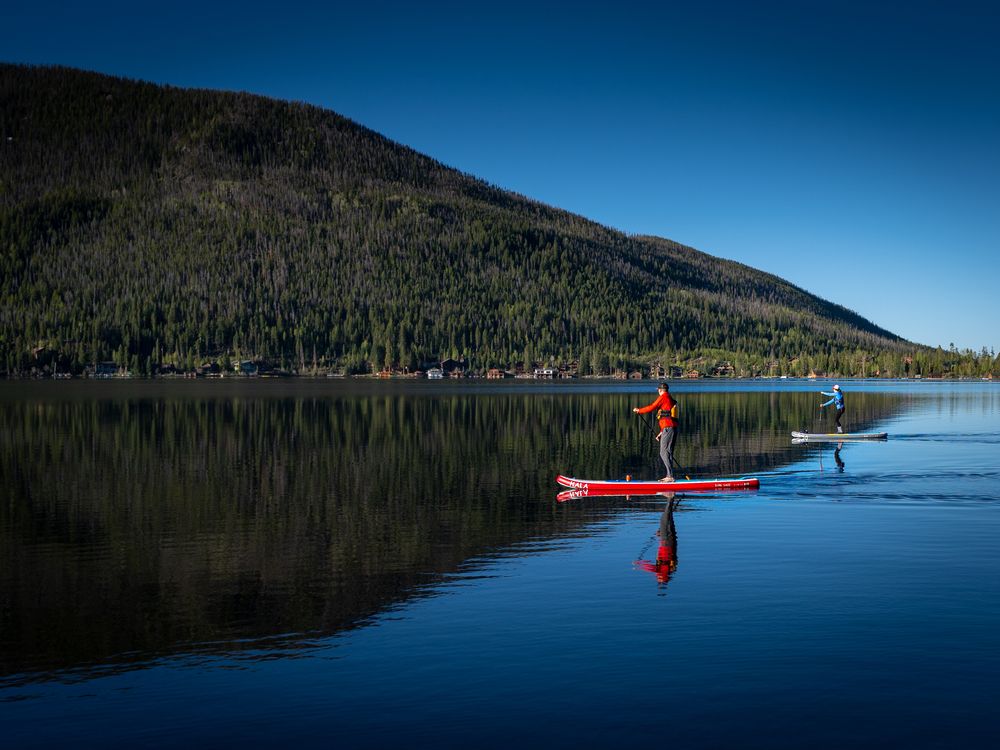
x=162, y=228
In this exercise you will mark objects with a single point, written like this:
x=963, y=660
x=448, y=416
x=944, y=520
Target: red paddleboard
x=587, y=487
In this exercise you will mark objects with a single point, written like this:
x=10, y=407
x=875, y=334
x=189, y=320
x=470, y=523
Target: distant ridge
x=155, y=226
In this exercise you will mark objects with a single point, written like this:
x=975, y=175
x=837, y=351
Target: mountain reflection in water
x=145, y=519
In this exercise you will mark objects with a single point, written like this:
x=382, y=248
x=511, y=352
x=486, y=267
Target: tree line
x=155, y=226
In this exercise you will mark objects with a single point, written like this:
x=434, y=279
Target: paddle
x=657, y=434
x=644, y=550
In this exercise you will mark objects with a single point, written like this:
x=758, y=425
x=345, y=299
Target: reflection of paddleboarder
x=666, y=409
x=838, y=402
x=836, y=457
x=666, y=555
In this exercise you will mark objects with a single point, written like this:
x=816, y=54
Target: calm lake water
x=360, y=564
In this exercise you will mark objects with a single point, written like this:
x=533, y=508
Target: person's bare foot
x=667, y=479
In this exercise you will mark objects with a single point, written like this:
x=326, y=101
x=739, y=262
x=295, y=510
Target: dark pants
x=668, y=436
x=840, y=413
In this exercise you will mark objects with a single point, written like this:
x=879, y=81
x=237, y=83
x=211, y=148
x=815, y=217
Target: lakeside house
x=106, y=370
x=723, y=370
x=453, y=368
x=208, y=369
x=568, y=369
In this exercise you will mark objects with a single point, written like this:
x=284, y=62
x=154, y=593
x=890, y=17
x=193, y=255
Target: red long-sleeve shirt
x=664, y=403
x=666, y=563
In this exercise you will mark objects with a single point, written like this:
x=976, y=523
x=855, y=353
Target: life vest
x=674, y=411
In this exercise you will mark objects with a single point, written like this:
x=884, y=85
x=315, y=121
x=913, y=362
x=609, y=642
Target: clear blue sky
x=852, y=148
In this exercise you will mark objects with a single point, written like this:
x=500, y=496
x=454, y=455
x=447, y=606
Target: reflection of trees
x=144, y=524
x=739, y=433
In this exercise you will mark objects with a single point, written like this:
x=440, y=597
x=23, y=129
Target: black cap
x=663, y=387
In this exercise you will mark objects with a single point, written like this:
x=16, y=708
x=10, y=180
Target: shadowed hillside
x=150, y=225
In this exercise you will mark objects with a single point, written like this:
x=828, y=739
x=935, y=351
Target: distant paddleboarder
x=665, y=410
x=837, y=401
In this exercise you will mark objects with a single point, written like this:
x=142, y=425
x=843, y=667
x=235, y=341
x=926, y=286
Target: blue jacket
x=838, y=399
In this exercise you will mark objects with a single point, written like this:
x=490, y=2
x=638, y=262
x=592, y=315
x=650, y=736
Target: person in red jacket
x=664, y=405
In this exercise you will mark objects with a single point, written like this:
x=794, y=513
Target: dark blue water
x=840, y=605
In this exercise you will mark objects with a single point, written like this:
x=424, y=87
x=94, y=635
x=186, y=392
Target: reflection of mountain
x=180, y=514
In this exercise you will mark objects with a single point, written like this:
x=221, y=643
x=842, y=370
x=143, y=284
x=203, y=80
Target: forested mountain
x=151, y=225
